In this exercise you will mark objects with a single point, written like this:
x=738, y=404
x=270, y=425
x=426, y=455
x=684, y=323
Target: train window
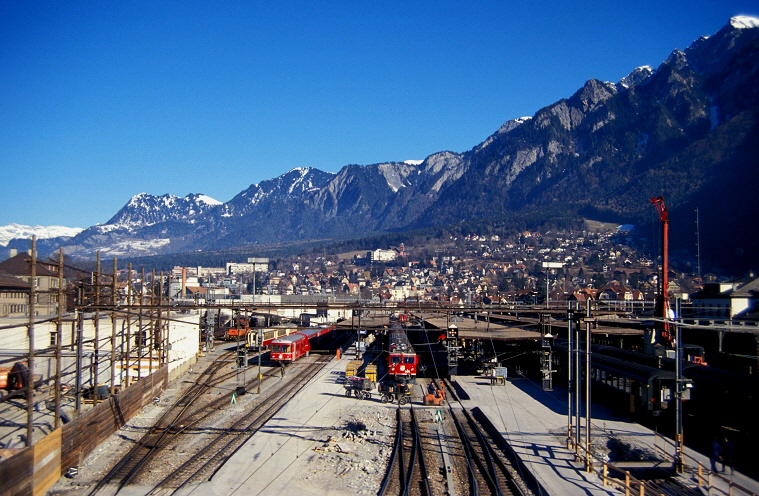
x=395, y=359
x=666, y=394
x=408, y=359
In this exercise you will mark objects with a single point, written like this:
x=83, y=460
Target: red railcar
x=289, y=348
x=402, y=360
x=269, y=334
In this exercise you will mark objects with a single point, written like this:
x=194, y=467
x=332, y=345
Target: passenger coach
x=289, y=348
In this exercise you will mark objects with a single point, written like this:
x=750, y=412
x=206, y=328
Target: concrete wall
x=183, y=347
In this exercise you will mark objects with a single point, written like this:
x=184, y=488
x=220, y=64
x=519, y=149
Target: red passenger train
x=402, y=360
x=289, y=348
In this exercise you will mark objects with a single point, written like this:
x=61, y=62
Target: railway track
x=200, y=428
x=173, y=422
x=214, y=453
x=454, y=455
x=407, y=470
x=488, y=468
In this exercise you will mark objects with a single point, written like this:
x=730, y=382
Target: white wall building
x=383, y=255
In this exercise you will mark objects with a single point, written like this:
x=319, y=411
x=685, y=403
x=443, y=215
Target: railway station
x=328, y=397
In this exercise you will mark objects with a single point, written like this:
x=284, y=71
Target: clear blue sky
x=101, y=100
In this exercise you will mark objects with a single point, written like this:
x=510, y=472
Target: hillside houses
x=481, y=269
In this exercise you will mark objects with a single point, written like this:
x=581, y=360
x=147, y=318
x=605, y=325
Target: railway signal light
x=242, y=358
x=453, y=332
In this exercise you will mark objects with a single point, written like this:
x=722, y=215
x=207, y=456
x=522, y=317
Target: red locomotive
x=402, y=360
x=289, y=348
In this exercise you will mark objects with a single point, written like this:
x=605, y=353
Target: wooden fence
x=33, y=470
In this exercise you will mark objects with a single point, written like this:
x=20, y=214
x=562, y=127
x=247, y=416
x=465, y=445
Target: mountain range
x=686, y=131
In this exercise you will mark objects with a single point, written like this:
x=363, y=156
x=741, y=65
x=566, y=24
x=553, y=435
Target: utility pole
x=113, y=328
x=578, y=382
x=58, y=340
x=358, y=334
x=96, y=369
x=159, y=324
x=588, y=320
x=260, y=341
x=79, y=357
x=128, y=324
x=570, y=380
x=30, y=333
x=679, y=390
x=547, y=356
x=152, y=331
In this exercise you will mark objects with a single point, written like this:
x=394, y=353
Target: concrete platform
x=534, y=422
x=309, y=448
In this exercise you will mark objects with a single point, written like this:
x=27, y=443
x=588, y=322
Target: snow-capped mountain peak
x=145, y=209
x=14, y=231
x=637, y=76
x=744, y=22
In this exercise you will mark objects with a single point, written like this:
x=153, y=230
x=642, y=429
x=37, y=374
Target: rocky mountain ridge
x=684, y=130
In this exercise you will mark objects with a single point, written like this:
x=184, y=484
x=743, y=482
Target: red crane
x=662, y=302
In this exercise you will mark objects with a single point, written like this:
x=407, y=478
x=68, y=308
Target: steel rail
x=255, y=419
x=152, y=440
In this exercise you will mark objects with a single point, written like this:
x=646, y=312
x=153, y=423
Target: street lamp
x=550, y=265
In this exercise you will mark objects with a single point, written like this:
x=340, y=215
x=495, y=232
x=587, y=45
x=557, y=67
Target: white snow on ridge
x=12, y=231
x=208, y=200
x=134, y=247
x=744, y=22
x=413, y=162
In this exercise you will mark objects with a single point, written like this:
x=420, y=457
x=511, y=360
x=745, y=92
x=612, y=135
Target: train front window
x=395, y=359
x=409, y=360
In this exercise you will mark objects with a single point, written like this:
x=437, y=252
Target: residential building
x=14, y=296
x=45, y=285
x=727, y=300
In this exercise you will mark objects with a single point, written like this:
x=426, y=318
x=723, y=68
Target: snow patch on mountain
x=744, y=22
x=304, y=182
x=208, y=200
x=134, y=248
x=14, y=231
x=637, y=76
